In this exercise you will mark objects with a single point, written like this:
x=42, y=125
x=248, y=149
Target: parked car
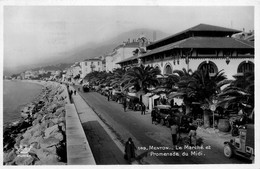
x=85, y=88
x=242, y=145
x=163, y=114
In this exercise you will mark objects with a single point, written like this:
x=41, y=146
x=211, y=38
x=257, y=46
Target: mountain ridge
x=91, y=49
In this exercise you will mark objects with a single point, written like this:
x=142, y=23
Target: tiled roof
x=199, y=28
x=205, y=42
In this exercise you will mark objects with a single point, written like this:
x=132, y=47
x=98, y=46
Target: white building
x=120, y=53
x=90, y=65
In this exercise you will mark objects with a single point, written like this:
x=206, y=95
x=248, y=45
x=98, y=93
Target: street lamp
x=213, y=109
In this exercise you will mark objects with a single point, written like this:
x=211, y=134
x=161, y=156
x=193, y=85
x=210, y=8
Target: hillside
x=60, y=66
x=96, y=49
x=89, y=50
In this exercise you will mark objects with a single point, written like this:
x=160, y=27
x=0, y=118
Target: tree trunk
x=206, y=118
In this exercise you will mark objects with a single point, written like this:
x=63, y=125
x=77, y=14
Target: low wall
x=78, y=149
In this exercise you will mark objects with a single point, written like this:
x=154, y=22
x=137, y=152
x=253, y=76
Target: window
x=168, y=69
x=210, y=66
x=245, y=67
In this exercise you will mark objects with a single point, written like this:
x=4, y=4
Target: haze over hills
x=88, y=50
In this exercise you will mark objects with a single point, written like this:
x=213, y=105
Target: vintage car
x=85, y=88
x=242, y=145
x=163, y=113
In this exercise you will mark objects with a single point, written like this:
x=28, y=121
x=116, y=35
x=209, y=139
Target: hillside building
x=122, y=52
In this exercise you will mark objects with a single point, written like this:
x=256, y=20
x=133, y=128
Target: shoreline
x=40, y=129
x=22, y=106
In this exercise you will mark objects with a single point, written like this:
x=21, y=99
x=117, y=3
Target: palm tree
x=179, y=79
x=117, y=78
x=240, y=91
x=202, y=88
x=141, y=78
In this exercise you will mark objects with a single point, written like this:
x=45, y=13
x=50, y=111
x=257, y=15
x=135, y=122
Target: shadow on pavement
x=104, y=149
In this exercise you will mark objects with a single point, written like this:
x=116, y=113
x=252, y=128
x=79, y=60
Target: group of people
x=142, y=107
x=176, y=134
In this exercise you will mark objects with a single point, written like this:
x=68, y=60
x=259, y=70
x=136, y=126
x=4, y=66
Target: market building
x=200, y=47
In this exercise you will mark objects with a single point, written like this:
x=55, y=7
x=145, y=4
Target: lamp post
x=213, y=109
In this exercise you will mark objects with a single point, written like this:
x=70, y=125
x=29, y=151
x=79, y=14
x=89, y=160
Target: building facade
x=200, y=47
x=92, y=64
x=121, y=52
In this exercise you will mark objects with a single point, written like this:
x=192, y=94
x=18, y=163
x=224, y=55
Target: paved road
x=145, y=134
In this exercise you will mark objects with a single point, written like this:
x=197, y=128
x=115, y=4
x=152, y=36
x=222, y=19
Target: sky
x=36, y=33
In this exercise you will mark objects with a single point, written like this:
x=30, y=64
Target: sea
x=16, y=94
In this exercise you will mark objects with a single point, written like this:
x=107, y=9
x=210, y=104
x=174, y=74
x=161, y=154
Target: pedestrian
x=143, y=108
x=124, y=105
x=129, y=150
x=74, y=92
x=108, y=97
x=153, y=114
x=193, y=136
x=172, y=103
x=174, y=131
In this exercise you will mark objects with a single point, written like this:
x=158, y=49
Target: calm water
x=15, y=95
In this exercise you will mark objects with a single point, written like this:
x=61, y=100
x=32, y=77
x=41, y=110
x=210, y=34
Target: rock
x=44, y=125
x=24, y=160
x=38, y=133
x=52, y=107
x=52, y=150
x=50, y=160
x=48, y=142
x=24, y=141
x=35, y=122
x=37, y=140
x=61, y=119
x=39, y=117
x=50, y=123
x=62, y=114
x=55, y=120
x=59, y=111
x=62, y=126
x=58, y=136
x=9, y=157
x=27, y=134
x=51, y=130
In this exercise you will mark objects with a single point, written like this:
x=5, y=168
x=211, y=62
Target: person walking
x=174, y=131
x=143, y=108
x=124, y=105
x=108, y=96
x=129, y=150
x=153, y=115
x=75, y=92
x=193, y=136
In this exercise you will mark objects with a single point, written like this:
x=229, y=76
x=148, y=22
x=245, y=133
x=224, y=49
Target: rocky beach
x=39, y=137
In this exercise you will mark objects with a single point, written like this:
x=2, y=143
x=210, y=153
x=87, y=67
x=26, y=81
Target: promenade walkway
x=105, y=146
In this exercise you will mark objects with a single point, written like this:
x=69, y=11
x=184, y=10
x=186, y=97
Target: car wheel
x=228, y=151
